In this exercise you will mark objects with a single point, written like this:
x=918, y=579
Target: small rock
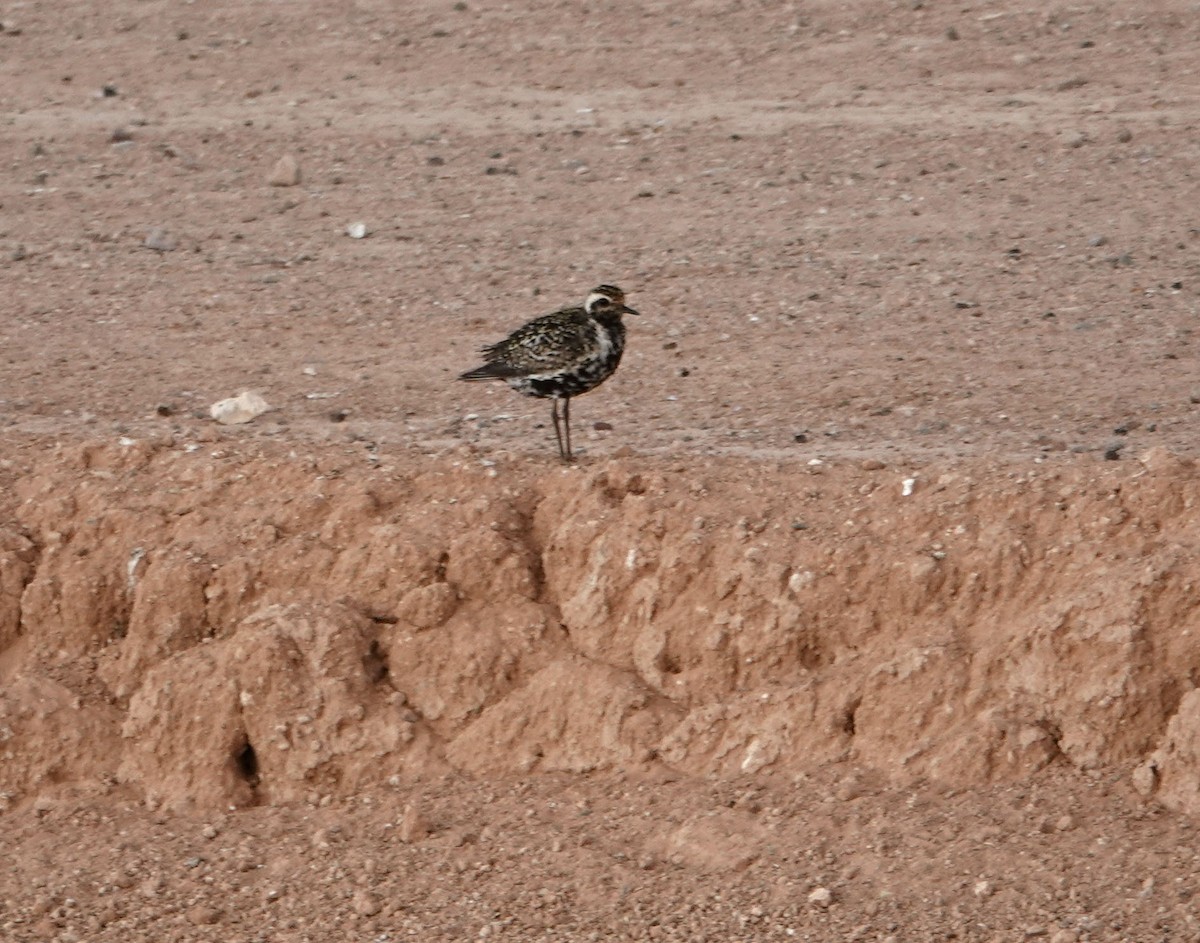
x=1076, y=139
x=120, y=136
x=1112, y=451
x=366, y=904
x=951, y=33
x=983, y=889
x=339, y=415
x=285, y=173
x=238, y=409
x=159, y=240
x=1124, y=135
x=357, y=230
x=210, y=831
x=1145, y=778
x=412, y=826
x=1064, y=936
x=1096, y=241
x=18, y=254
x=872, y=464
x=602, y=426
x=202, y=916
x=109, y=91
x=821, y=897
x=164, y=409
x=800, y=437
x=1067, y=85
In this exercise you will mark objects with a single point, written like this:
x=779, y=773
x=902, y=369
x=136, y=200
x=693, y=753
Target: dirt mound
x=224, y=627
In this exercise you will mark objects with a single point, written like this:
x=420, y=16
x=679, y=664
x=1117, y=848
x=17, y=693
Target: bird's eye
x=601, y=302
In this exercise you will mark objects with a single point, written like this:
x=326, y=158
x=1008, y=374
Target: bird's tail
x=491, y=371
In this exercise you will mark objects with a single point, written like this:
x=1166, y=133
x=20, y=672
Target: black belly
x=569, y=383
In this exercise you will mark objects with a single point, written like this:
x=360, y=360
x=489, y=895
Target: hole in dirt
x=849, y=722
x=375, y=663
x=246, y=761
x=668, y=663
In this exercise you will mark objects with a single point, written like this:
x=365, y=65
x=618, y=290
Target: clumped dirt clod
x=843, y=628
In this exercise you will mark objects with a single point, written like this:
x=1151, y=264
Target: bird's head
x=607, y=298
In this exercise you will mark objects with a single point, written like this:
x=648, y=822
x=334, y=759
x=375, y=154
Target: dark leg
x=570, y=456
x=557, y=429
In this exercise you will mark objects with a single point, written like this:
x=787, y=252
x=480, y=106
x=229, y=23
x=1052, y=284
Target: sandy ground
x=867, y=613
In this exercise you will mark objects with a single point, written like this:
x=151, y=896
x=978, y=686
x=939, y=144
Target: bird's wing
x=546, y=344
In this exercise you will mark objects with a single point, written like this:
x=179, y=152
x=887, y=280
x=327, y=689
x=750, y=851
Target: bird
x=561, y=355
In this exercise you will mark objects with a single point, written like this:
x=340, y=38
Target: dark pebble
x=339, y=415
x=164, y=409
x=602, y=426
x=801, y=437
x=1113, y=452
x=121, y=135
x=109, y=91
x=799, y=525
x=435, y=161
x=685, y=372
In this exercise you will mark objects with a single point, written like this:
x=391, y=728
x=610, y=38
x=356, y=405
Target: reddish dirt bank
x=734, y=664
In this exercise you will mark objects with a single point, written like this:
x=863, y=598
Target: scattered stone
x=435, y=161
x=872, y=464
x=238, y=409
x=1145, y=778
x=412, y=826
x=983, y=889
x=18, y=254
x=164, y=409
x=109, y=91
x=120, y=136
x=800, y=437
x=726, y=841
x=285, y=173
x=210, y=831
x=357, y=230
x=339, y=415
x=951, y=33
x=1112, y=451
x=202, y=916
x=1064, y=936
x=821, y=897
x=1076, y=139
x=1124, y=136
x=1096, y=241
x=1074, y=82
x=160, y=240
x=366, y=904
x=602, y=426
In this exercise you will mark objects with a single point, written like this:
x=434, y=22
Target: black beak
x=625, y=309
